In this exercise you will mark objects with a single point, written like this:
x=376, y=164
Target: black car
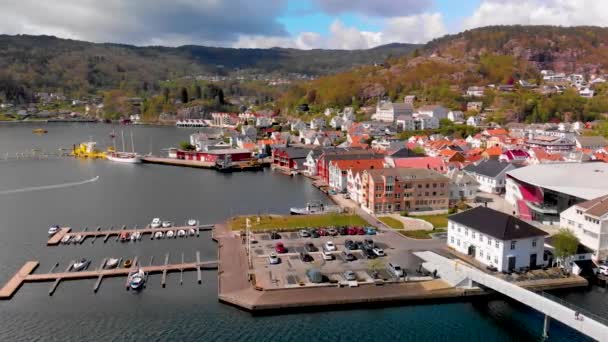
x=350, y=245
x=311, y=248
x=314, y=234
x=369, y=253
x=348, y=256
x=275, y=236
x=360, y=245
x=343, y=231
x=369, y=243
x=305, y=257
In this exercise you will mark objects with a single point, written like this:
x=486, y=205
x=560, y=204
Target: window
x=480, y=237
x=397, y=195
x=497, y=244
x=488, y=257
x=474, y=235
x=534, y=243
x=434, y=185
x=466, y=232
x=426, y=194
x=459, y=229
x=434, y=193
x=495, y=259
x=489, y=241
x=481, y=254
x=458, y=242
x=451, y=239
x=427, y=185
x=513, y=244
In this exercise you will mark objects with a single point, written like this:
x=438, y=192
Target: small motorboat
x=191, y=231
x=135, y=236
x=158, y=235
x=181, y=233
x=167, y=224
x=137, y=279
x=53, y=230
x=192, y=222
x=124, y=236
x=66, y=239
x=78, y=239
x=155, y=223
x=39, y=131
x=111, y=263
x=170, y=234
x=127, y=264
x=80, y=265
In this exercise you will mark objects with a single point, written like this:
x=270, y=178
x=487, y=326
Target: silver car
x=395, y=269
x=350, y=275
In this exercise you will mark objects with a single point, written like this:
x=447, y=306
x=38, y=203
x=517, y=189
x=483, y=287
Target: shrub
x=405, y=213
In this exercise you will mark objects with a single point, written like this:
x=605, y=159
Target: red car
x=351, y=231
x=322, y=232
x=280, y=248
x=360, y=231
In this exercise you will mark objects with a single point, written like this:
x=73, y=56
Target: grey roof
x=405, y=153
x=489, y=168
x=592, y=140
x=496, y=224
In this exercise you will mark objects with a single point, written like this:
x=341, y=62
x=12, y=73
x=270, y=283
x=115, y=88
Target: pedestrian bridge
x=460, y=275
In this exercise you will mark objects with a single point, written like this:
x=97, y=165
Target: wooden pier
x=25, y=274
x=106, y=234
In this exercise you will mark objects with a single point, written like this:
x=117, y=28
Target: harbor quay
x=247, y=279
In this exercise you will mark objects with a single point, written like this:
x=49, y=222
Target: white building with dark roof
x=589, y=222
x=490, y=174
x=389, y=111
x=496, y=239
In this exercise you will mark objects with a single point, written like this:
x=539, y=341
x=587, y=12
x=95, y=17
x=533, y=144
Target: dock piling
x=163, y=279
x=198, y=267
x=98, y=282
x=56, y=282
x=181, y=272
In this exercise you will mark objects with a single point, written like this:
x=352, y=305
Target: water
x=133, y=195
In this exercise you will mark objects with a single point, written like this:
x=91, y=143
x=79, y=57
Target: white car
x=273, y=259
x=378, y=251
x=327, y=255
x=167, y=224
x=603, y=270
x=330, y=246
x=350, y=275
x=396, y=269
x=155, y=223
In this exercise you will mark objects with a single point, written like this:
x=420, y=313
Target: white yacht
x=53, y=230
x=181, y=233
x=158, y=235
x=135, y=236
x=80, y=265
x=123, y=156
x=78, y=239
x=191, y=231
x=66, y=239
x=111, y=263
x=156, y=223
x=167, y=224
x=137, y=279
x=192, y=222
x=170, y=234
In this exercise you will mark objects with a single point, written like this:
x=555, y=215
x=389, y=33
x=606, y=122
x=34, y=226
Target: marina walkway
x=458, y=274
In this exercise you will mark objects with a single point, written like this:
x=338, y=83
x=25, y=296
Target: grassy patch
x=392, y=222
x=285, y=223
x=438, y=221
x=421, y=234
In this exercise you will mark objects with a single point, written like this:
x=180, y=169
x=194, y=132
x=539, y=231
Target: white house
x=586, y=92
x=589, y=222
x=298, y=126
x=474, y=121
x=263, y=121
x=455, y=115
x=354, y=186
x=336, y=122
x=387, y=111
x=462, y=186
x=491, y=175
x=317, y=123
x=475, y=91
x=496, y=239
x=435, y=111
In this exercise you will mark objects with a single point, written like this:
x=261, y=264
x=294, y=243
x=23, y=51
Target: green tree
x=186, y=146
x=565, y=244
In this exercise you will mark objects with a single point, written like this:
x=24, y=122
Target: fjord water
x=133, y=195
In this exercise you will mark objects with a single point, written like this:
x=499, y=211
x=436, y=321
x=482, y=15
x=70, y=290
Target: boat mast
x=122, y=134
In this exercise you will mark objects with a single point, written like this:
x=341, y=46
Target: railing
x=583, y=312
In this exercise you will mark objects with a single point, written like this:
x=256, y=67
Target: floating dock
x=66, y=231
x=25, y=274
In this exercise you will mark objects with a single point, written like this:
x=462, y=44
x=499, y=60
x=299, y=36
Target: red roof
x=496, y=131
x=493, y=151
x=433, y=163
x=358, y=165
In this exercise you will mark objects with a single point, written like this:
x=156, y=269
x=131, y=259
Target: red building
x=289, y=158
x=341, y=154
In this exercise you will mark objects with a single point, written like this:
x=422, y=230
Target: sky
x=303, y=24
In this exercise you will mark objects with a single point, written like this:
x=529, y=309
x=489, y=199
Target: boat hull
x=125, y=159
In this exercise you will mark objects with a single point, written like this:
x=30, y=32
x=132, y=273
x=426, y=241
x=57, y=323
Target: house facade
x=387, y=111
x=338, y=171
x=395, y=190
x=589, y=222
x=496, y=239
x=462, y=186
x=491, y=175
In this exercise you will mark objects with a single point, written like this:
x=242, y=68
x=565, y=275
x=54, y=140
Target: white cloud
x=539, y=12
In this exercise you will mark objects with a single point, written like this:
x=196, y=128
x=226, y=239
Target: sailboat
x=124, y=156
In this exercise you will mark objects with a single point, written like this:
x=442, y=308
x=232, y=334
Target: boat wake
x=48, y=187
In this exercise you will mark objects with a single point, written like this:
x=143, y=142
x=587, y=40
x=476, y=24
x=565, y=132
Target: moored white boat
x=135, y=236
x=80, y=265
x=53, y=230
x=111, y=263
x=191, y=231
x=170, y=234
x=158, y=235
x=156, y=222
x=137, y=279
x=181, y=233
x=66, y=239
x=78, y=239
x=315, y=208
x=192, y=222
x=124, y=157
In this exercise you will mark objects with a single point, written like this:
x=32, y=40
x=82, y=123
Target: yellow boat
x=39, y=131
x=87, y=150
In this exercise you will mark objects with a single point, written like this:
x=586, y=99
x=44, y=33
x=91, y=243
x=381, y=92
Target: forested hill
x=50, y=63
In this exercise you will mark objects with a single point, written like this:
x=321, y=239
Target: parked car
x=332, y=231
x=330, y=246
x=273, y=259
x=275, y=236
x=369, y=253
x=360, y=231
x=379, y=252
x=350, y=244
x=348, y=256
x=314, y=234
x=360, y=245
x=603, y=270
x=395, y=269
x=369, y=243
x=305, y=257
x=350, y=275
x=327, y=255
x=352, y=231
x=304, y=233
x=322, y=232
x=311, y=248
x=280, y=248
x=343, y=231
x=370, y=230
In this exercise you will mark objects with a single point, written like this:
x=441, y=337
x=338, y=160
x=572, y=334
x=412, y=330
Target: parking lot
x=291, y=270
